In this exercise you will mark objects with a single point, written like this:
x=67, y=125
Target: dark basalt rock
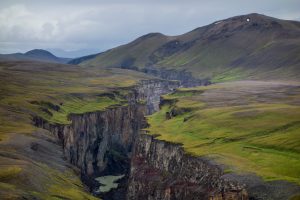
x=175, y=111
x=100, y=143
x=185, y=78
x=110, y=143
x=162, y=170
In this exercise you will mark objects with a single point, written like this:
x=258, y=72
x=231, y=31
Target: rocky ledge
x=162, y=170
x=110, y=143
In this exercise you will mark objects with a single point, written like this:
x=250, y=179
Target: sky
x=72, y=28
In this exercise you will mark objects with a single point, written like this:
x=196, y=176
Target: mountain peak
x=35, y=54
x=249, y=21
x=149, y=36
x=250, y=43
x=39, y=53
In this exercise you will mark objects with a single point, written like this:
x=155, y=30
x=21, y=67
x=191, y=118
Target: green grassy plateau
x=249, y=126
x=51, y=91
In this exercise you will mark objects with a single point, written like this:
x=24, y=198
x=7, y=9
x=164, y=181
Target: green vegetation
x=297, y=197
x=52, y=184
x=63, y=185
x=228, y=51
x=76, y=105
x=248, y=126
x=230, y=75
x=9, y=172
x=53, y=92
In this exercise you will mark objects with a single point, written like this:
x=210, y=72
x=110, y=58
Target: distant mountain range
x=252, y=46
x=72, y=53
x=36, y=54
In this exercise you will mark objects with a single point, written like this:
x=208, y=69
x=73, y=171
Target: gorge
x=112, y=143
x=210, y=114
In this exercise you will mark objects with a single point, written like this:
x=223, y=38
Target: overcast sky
x=96, y=25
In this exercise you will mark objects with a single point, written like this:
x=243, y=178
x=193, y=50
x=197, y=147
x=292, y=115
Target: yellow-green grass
x=296, y=197
x=62, y=185
x=17, y=179
x=53, y=92
x=248, y=126
x=9, y=172
x=219, y=52
x=78, y=106
x=59, y=191
x=26, y=89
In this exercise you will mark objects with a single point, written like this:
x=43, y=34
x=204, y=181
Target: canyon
x=112, y=142
x=209, y=114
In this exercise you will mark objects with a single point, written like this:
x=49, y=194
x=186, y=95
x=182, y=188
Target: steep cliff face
x=100, y=143
x=162, y=170
x=185, y=78
x=109, y=143
x=149, y=91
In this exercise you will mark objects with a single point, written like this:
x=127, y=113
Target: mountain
x=73, y=132
x=252, y=46
x=35, y=54
x=82, y=59
x=72, y=53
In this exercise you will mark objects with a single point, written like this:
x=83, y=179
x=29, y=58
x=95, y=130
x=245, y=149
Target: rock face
x=162, y=170
x=109, y=143
x=150, y=91
x=100, y=143
x=185, y=78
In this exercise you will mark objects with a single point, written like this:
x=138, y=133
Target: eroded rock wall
x=185, y=78
x=109, y=143
x=162, y=170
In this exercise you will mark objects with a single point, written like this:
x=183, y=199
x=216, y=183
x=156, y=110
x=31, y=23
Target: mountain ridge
x=34, y=55
x=252, y=46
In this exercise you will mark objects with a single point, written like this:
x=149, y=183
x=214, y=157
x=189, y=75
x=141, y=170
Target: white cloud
x=72, y=25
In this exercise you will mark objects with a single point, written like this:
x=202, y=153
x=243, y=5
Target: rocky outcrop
x=109, y=143
x=100, y=143
x=162, y=170
x=150, y=91
x=185, y=78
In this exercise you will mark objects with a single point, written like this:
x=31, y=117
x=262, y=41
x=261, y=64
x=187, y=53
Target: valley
x=204, y=115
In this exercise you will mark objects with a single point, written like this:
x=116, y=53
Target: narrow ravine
x=119, y=161
x=162, y=170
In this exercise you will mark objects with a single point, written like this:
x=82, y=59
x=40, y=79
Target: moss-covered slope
x=248, y=126
x=249, y=46
x=31, y=159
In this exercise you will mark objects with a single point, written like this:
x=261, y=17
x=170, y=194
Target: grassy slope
x=34, y=55
x=33, y=88
x=138, y=51
x=264, y=48
x=248, y=126
x=27, y=87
